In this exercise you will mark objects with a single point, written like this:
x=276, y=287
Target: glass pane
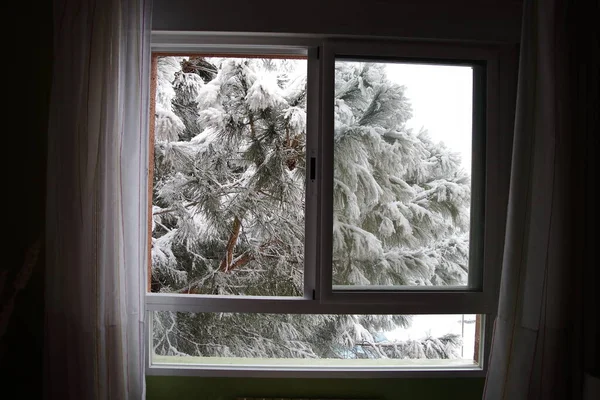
x=314, y=340
x=402, y=166
x=229, y=175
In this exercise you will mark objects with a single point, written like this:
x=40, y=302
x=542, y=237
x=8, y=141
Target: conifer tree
x=401, y=201
x=228, y=207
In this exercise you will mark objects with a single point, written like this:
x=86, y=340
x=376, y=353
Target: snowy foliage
x=228, y=207
x=401, y=201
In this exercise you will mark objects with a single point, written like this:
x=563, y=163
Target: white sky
x=440, y=325
x=442, y=101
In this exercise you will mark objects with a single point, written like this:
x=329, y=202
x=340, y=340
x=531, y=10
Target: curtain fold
x=97, y=201
x=537, y=346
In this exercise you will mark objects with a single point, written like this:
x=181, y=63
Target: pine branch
x=240, y=261
x=234, y=264
x=168, y=210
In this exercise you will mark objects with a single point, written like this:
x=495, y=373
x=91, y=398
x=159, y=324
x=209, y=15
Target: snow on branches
x=228, y=206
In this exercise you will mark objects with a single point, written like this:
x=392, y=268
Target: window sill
x=310, y=368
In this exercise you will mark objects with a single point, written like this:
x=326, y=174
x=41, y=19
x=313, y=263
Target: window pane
x=229, y=175
x=314, y=340
x=402, y=166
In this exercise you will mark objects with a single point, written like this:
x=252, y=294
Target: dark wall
x=184, y=388
x=27, y=65
x=480, y=20
x=585, y=71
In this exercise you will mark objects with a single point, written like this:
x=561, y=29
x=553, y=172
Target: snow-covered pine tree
x=228, y=206
x=401, y=201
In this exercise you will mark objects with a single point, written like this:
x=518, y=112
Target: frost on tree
x=401, y=201
x=228, y=207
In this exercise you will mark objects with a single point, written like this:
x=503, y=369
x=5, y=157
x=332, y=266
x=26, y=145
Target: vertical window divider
x=311, y=245
x=326, y=183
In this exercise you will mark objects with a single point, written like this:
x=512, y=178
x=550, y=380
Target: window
x=319, y=207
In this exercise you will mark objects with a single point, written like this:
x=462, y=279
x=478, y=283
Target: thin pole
x=462, y=347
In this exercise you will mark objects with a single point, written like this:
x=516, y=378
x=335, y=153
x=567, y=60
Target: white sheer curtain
x=538, y=347
x=97, y=200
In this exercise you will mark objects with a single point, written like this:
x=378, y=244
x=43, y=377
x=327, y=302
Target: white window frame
x=477, y=292
x=319, y=296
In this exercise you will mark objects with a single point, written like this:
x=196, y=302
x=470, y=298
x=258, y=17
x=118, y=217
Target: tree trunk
x=235, y=233
x=477, y=338
x=252, y=129
x=241, y=261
